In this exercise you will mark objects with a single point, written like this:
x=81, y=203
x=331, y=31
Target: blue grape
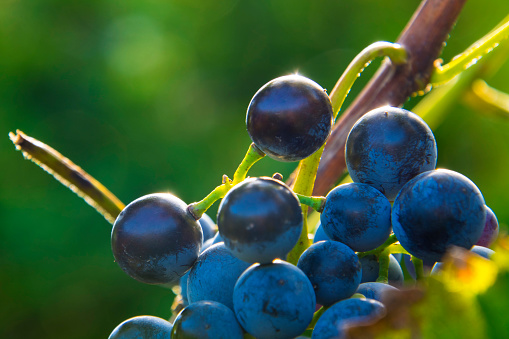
x=206, y=319
x=371, y=270
x=214, y=275
x=260, y=219
x=274, y=300
x=208, y=227
x=435, y=210
x=357, y=215
x=479, y=250
x=217, y=238
x=333, y=269
x=143, y=327
x=289, y=118
x=375, y=290
x=330, y=324
x=490, y=231
x=155, y=239
x=320, y=234
x=387, y=147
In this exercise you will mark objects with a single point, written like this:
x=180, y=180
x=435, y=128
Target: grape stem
x=383, y=261
x=419, y=268
x=476, y=51
x=396, y=53
x=316, y=203
x=196, y=209
x=308, y=167
x=317, y=316
x=377, y=251
x=69, y=174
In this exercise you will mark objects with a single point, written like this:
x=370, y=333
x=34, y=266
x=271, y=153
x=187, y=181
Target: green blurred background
x=150, y=96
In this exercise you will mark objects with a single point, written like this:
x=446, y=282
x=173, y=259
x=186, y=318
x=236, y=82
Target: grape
x=330, y=323
x=371, y=269
x=357, y=215
x=208, y=227
x=155, y=239
x=333, y=269
x=217, y=238
x=374, y=290
x=409, y=265
x=143, y=327
x=479, y=250
x=204, y=282
x=289, y=118
x=389, y=146
x=435, y=210
x=274, y=300
x=206, y=319
x=490, y=231
x=320, y=234
x=260, y=219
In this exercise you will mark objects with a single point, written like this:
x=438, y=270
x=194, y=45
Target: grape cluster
x=237, y=280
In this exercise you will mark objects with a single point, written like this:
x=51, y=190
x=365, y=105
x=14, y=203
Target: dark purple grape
x=435, y=210
x=214, y=275
x=206, y=320
x=155, y=239
x=260, y=219
x=289, y=118
x=389, y=146
x=375, y=290
x=491, y=229
x=333, y=269
x=143, y=327
x=330, y=324
x=274, y=300
x=357, y=215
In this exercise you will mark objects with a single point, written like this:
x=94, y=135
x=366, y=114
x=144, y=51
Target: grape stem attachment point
x=196, y=209
x=316, y=203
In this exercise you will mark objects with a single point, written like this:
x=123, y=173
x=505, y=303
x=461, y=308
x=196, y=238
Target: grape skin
x=435, y=210
x=143, y=327
x=289, y=118
x=155, y=239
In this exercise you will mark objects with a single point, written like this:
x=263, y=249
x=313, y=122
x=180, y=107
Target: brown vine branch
x=423, y=38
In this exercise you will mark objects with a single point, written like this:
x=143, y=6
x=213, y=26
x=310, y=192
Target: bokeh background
x=150, y=96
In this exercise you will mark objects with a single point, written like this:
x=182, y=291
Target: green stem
x=377, y=251
x=317, y=316
x=394, y=51
x=253, y=154
x=461, y=62
x=383, y=261
x=69, y=174
x=315, y=203
x=419, y=268
x=198, y=208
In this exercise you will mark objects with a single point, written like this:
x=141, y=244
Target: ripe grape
x=274, y=300
x=435, y=210
x=143, y=327
x=330, y=324
x=260, y=219
x=206, y=319
x=204, y=282
x=289, y=118
x=155, y=239
x=491, y=229
x=333, y=269
x=371, y=269
x=389, y=146
x=357, y=215
x=375, y=290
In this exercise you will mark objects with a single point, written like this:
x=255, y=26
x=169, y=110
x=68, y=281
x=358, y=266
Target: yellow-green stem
x=461, y=62
x=315, y=203
x=383, y=261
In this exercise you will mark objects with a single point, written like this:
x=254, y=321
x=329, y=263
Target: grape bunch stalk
x=258, y=274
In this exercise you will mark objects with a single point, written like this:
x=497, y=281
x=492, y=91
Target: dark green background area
x=150, y=96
